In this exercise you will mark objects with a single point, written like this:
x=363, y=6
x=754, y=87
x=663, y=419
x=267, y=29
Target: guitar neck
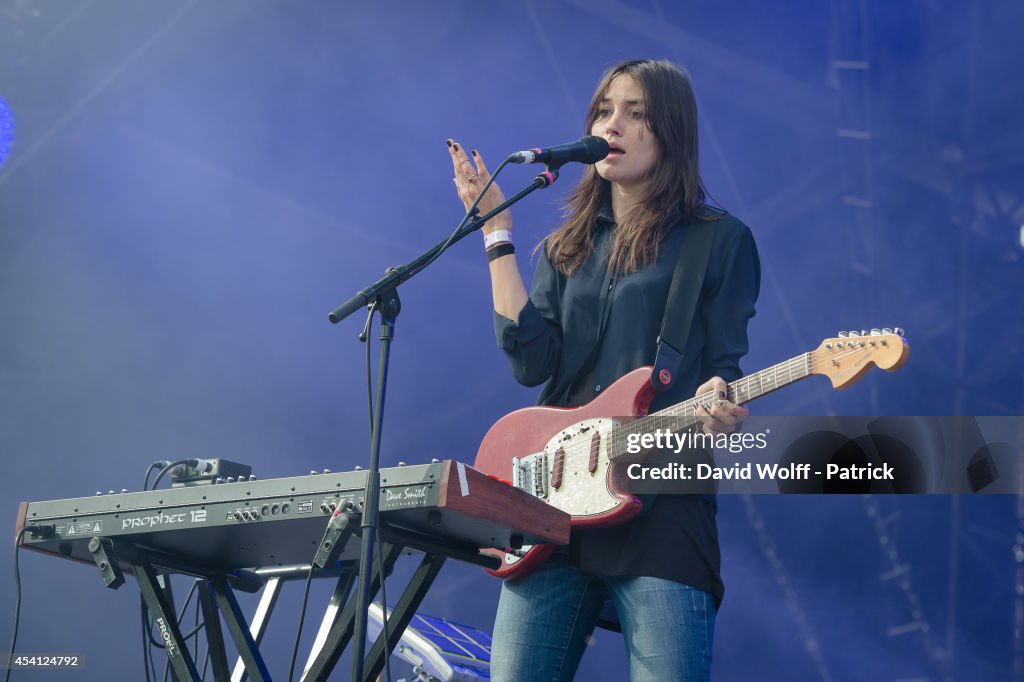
x=682, y=416
x=747, y=388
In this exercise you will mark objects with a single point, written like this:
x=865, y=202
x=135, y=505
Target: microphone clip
x=549, y=175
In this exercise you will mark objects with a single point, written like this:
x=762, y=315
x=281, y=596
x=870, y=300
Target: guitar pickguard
x=581, y=451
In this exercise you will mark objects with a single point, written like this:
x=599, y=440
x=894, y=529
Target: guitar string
x=686, y=410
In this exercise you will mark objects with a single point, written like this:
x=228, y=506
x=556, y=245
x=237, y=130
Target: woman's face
x=622, y=121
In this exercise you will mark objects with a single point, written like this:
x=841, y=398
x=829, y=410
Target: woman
x=594, y=313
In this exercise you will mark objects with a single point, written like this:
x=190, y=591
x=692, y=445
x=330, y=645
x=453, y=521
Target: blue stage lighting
x=6, y=130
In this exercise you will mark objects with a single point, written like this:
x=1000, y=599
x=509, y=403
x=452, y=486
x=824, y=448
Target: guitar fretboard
x=682, y=416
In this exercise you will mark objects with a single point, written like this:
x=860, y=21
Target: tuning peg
x=854, y=334
x=863, y=332
x=876, y=332
x=898, y=330
x=887, y=330
x=843, y=335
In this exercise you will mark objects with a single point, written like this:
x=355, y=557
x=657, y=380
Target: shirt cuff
x=529, y=326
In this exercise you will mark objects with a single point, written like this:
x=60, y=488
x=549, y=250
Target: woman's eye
x=636, y=115
x=601, y=113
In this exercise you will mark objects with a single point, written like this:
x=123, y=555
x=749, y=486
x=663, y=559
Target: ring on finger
x=473, y=178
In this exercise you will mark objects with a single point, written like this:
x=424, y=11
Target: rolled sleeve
x=533, y=342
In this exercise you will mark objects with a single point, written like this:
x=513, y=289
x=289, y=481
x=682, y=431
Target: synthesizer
x=278, y=522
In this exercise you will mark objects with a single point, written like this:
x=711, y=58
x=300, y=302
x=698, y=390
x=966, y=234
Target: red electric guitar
x=564, y=455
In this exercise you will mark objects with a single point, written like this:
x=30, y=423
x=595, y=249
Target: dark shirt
x=581, y=333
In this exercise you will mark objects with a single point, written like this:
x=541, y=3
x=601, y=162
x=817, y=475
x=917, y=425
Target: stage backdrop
x=192, y=186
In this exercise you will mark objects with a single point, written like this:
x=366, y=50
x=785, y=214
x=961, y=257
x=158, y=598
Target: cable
x=195, y=625
x=195, y=655
x=147, y=660
x=302, y=617
x=369, y=380
x=17, y=602
x=42, y=531
x=191, y=461
x=159, y=464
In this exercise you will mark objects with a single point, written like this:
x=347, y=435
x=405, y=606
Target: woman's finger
x=465, y=166
x=456, y=161
x=481, y=167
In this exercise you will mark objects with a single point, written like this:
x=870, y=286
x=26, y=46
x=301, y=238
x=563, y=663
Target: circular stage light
x=6, y=130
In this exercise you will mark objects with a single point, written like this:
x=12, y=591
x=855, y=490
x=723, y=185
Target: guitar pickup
x=558, y=468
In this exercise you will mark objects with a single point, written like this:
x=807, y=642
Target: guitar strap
x=681, y=305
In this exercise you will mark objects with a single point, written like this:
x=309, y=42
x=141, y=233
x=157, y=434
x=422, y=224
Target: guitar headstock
x=845, y=359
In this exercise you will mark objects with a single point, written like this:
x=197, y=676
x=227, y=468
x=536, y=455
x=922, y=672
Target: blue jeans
x=544, y=619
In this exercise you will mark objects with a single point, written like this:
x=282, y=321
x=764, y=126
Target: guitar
x=564, y=455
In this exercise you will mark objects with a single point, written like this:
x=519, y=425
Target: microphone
x=588, y=149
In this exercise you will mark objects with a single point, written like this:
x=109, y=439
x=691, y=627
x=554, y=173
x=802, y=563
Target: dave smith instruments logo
x=156, y=520
x=417, y=494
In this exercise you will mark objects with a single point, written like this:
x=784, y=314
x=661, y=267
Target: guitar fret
x=684, y=415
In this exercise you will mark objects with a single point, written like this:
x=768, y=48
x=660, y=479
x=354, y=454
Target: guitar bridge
x=531, y=474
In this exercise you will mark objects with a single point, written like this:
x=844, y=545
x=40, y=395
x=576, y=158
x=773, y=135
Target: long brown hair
x=673, y=182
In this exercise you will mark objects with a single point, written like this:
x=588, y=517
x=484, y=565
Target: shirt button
x=598, y=388
x=610, y=287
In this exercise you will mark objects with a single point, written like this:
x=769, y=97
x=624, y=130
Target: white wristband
x=497, y=237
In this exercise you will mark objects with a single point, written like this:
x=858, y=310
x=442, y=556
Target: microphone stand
x=384, y=295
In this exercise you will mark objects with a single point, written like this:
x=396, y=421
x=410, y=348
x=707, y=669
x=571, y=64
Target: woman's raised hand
x=470, y=177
